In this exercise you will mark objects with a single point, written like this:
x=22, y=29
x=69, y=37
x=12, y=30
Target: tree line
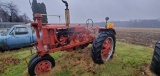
x=145, y=23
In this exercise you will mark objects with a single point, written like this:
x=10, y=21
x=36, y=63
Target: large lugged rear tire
x=40, y=65
x=103, y=47
x=155, y=64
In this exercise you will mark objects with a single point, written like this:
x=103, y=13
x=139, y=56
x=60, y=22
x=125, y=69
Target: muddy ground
x=139, y=36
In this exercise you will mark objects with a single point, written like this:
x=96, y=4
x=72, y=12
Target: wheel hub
x=107, y=48
x=43, y=66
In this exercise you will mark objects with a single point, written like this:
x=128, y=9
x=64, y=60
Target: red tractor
x=68, y=37
x=155, y=64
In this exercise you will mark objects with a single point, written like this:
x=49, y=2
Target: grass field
x=128, y=60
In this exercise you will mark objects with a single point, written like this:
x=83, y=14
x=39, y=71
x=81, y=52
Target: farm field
x=129, y=60
x=139, y=36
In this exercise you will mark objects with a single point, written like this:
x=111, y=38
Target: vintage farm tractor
x=68, y=37
x=155, y=64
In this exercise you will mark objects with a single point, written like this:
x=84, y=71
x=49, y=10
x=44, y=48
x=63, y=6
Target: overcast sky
x=81, y=10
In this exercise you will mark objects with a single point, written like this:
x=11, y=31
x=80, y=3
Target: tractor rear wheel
x=103, y=47
x=155, y=64
x=40, y=65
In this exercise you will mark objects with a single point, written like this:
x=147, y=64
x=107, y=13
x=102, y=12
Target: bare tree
x=11, y=10
x=3, y=12
x=10, y=13
x=24, y=18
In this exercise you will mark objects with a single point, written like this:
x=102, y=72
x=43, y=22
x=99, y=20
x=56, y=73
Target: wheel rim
x=107, y=49
x=43, y=66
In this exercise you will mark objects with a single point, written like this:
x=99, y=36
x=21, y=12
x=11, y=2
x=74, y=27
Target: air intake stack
x=67, y=16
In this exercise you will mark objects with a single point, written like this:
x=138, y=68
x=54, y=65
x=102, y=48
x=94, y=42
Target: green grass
x=128, y=61
x=21, y=68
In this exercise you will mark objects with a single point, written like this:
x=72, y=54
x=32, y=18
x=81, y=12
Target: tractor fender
x=108, y=30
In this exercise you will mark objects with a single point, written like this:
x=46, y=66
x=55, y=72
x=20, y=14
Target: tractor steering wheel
x=87, y=23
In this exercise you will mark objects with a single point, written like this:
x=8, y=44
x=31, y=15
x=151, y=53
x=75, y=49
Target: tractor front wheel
x=103, y=47
x=40, y=65
x=155, y=64
x=33, y=57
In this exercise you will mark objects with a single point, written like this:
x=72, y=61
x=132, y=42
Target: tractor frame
x=66, y=37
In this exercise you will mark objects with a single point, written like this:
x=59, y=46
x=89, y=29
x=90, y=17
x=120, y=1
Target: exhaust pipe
x=66, y=3
x=67, y=16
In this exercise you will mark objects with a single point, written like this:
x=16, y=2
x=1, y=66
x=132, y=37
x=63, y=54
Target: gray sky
x=81, y=10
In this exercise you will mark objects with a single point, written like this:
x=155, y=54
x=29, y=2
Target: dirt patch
x=9, y=58
x=145, y=70
x=77, y=62
x=139, y=36
x=4, y=63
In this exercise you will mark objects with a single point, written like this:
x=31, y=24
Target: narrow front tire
x=40, y=65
